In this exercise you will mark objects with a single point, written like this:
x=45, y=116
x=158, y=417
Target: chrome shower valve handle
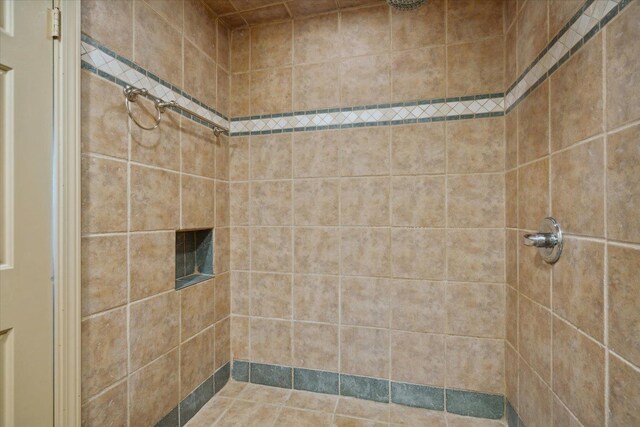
x=548, y=240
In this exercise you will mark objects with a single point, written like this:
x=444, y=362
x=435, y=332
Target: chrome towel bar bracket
x=131, y=95
x=548, y=241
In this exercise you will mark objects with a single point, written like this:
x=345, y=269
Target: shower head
x=405, y=4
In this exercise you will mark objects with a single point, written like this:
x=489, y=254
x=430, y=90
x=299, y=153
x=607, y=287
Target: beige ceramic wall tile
x=511, y=316
x=365, y=80
x=221, y=250
x=364, y=302
x=364, y=201
x=271, y=203
x=239, y=203
x=223, y=95
x=533, y=194
x=315, y=346
x=475, y=201
x=579, y=380
x=199, y=26
x=222, y=343
x=577, y=185
x=162, y=378
x=314, y=86
x=271, y=295
x=623, y=271
x=196, y=309
x=162, y=146
x=365, y=31
x=576, y=96
x=170, y=10
x=623, y=199
x=511, y=257
x=240, y=294
x=533, y=125
x=108, y=407
x=196, y=361
x=222, y=295
x=624, y=393
x=418, y=149
x=470, y=20
x=534, y=275
x=104, y=281
x=222, y=202
x=578, y=286
x=475, y=145
x=316, y=154
x=406, y=243
x=364, y=151
x=271, y=45
x=622, y=47
x=364, y=351
x=418, y=74
x=475, y=364
x=104, y=351
x=222, y=156
x=271, y=249
x=532, y=32
x=240, y=50
x=475, y=309
x=271, y=341
x=157, y=46
x=409, y=347
x=317, y=250
x=154, y=198
x=198, y=150
x=511, y=8
x=104, y=195
x=224, y=46
x=198, y=202
x=240, y=102
x=199, y=74
x=271, y=90
x=239, y=256
x=238, y=159
x=475, y=67
x=511, y=199
x=271, y=157
x=151, y=264
x=104, y=121
x=111, y=24
x=535, y=400
x=511, y=375
x=418, y=201
x=365, y=251
x=418, y=306
x=290, y=417
x=240, y=338
x=316, y=201
x=563, y=10
x=315, y=298
x=316, y=39
x=511, y=139
x=475, y=255
x=374, y=411
x=510, y=52
x=534, y=336
x=153, y=328
x=422, y=27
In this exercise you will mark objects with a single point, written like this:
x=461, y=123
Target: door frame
x=66, y=221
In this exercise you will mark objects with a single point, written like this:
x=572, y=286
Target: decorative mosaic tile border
x=586, y=23
x=466, y=107
x=191, y=404
x=104, y=62
x=460, y=402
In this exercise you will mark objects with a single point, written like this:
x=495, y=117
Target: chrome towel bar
x=131, y=95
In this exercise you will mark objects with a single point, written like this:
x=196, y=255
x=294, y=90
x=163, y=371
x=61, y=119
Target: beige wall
x=572, y=152
x=376, y=251
x=144, y=345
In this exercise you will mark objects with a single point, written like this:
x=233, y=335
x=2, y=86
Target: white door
x=26, y=290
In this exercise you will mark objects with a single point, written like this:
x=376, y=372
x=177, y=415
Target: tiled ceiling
x=240, y=13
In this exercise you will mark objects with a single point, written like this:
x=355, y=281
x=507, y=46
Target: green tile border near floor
x=461, y=402
x=190, y=405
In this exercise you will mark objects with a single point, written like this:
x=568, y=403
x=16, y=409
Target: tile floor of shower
x=245, y=404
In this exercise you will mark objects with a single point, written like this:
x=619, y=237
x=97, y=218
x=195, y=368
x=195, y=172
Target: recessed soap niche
x=194, y=257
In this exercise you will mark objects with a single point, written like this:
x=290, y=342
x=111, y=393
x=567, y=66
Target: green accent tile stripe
x=461, y=402
x=475, y=404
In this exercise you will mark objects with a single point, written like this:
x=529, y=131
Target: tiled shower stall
x=364, y=215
